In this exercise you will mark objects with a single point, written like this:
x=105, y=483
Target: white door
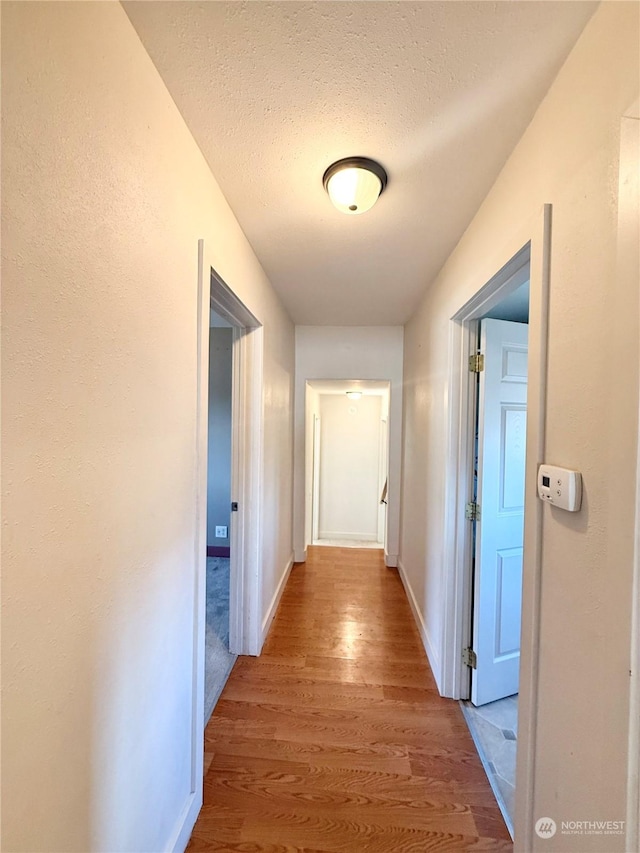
x=349, y=467
x=502, y=417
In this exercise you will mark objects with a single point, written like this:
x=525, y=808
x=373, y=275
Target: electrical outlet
x=221, y=532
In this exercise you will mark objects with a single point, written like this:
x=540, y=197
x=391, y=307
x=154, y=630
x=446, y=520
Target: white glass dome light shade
x=354, y=190
x=354, y=184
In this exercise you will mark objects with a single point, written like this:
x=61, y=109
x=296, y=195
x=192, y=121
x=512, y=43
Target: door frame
x=245, y=590
x=313, y=437
x=463, y=337
x=246, y=529
x=315, y=479
x=460, y=411
x=628, y=262
x=245, y=534
x=383, y=478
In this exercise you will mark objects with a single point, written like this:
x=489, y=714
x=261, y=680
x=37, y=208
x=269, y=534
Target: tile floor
x=218, y=658
x=494, y=728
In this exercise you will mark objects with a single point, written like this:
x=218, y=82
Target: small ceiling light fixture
x=354, y=183
x=354, y=395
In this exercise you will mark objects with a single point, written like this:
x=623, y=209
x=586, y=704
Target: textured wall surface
x=568, y=157
x=105, y=195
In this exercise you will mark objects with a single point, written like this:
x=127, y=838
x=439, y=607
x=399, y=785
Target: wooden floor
x=336, y=739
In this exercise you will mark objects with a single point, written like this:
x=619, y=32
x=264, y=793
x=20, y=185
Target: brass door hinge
x=476, y=363
x=469, y=658
x=472, y=511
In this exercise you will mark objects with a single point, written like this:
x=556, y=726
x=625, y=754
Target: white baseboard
x=338, y=534
x=275, y=601
x=433, y=658
x=186, y=822
x=391, y=560
x=300, y=556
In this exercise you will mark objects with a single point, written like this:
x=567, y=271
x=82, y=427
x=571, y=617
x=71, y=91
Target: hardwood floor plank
x=335, y=740
x=311, y=693
x=337, y=835
x=383, y=758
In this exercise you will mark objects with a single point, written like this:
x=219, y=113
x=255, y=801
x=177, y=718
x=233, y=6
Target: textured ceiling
x=438, y=92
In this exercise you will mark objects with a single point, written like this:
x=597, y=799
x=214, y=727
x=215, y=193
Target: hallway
x=336, y=739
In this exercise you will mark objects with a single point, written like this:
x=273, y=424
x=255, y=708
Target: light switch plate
x=221, y=532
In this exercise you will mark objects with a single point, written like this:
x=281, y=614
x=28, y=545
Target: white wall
x=349, y=467
x=568, y=157
x=105, y=195
x=219, y=455
x=349, y=352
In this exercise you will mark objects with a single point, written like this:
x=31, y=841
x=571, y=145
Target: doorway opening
x=245, y=582
x=230, y=427
x=219, y=659
x=483, y=593
x=496, y=516
x=347, y=426
x=456, y=579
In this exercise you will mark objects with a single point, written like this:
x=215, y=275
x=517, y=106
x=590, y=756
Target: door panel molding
x=513, y=418
x=505, y=573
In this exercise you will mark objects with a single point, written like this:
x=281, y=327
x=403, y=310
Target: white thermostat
x=561, y=487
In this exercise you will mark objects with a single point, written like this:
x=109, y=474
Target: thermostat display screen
x=546, y=481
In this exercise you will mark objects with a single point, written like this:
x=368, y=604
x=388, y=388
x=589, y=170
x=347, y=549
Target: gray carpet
x=218, y=659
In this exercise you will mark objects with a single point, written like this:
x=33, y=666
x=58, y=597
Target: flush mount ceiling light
x=354, y=183
x=354, y=395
